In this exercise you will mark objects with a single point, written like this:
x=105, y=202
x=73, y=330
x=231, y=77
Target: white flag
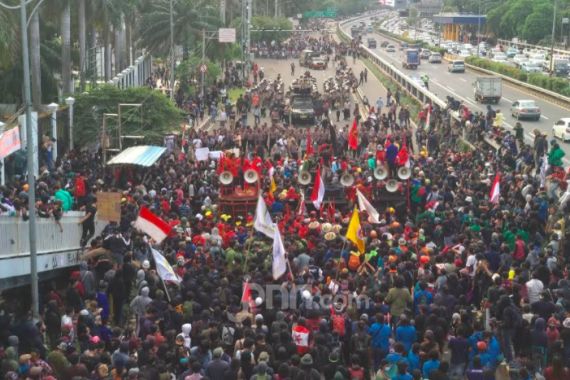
x=279, y=260
x=363, y=204
x=262, y=221
x=164, y=268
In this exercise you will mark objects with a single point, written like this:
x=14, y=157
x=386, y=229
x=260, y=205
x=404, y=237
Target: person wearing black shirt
x=88, y=221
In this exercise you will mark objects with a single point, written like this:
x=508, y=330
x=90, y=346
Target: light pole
x=53, y=107
x=2, y=126
x=551, y=71
x=70, y=102
x=172, y=53
x=30, y=152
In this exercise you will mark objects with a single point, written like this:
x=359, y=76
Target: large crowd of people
x=454, y=280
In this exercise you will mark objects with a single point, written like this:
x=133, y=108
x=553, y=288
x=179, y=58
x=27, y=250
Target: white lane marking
x=463, y=79
x=544, y=117
x=507, y=99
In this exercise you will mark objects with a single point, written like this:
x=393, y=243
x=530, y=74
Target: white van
x=456, y=66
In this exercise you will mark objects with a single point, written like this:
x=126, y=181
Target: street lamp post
x=2, y=126
x=70, y=101
x=53, y=107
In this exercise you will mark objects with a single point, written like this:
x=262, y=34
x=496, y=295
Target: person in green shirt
x=555, y=155
x=398, y=298
x=65, y=197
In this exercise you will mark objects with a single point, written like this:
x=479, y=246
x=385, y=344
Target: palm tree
x=67, y=84
x=82, y=42
x=190, y=17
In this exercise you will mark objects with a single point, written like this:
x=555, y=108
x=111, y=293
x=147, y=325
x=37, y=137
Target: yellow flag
x=273, y=185
x=353, y=233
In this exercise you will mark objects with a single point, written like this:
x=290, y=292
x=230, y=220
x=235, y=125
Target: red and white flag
x=318, y=190
x=495, y=193
x=152, y=225
x=302, y=207
x=300, y=335
x=246, y=297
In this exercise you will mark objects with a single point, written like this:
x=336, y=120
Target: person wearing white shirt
x=534, y=289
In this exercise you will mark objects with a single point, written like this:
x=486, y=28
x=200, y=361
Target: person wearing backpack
x=380, y=333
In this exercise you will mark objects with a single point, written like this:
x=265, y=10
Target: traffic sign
x=203, y=68
x=328, y=13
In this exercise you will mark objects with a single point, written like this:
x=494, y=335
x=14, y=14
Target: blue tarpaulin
x=143, y=155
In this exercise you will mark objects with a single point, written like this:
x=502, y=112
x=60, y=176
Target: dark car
x=302, y=110
x=371, y=43
x=384, y=44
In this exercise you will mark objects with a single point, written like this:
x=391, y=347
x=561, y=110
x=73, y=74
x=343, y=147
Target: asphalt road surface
x=443, y=84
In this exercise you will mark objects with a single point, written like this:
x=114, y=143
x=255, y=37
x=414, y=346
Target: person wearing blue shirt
x=380, y=333
x=398, y=355
x=431, y=364
x=406, y=333
x=403, y=373
x=414, y=357
x=422, y=297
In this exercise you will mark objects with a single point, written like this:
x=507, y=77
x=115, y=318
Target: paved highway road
x=443, y=84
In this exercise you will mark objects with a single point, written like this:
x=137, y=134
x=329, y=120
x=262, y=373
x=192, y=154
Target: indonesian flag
x=353, y=136
x=163, y=267
x=302, y=207
x=310, y=148
x=152, y=225
x=365, y=205
x=318, y=190
x=432, y=205
x=300, y=335
x=495, y=193
x=246, y=296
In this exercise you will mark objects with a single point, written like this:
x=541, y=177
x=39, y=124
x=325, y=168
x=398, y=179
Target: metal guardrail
x=552, y=96
x=411, y=87
x=531, y=46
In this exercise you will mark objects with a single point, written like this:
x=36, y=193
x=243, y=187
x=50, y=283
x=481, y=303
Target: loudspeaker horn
x=347, y=180
x=392, y=186
x=304, y=177
x=250, y=176
x=404, y=173
x=226, y=178
x=380, y=173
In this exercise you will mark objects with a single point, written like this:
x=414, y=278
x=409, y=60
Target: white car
x=561, y=129
x=465, y=53
x=519, y=59
x=530, y=67
x=499, y=57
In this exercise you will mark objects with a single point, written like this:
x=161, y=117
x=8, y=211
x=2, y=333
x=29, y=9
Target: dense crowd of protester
x=452, y=284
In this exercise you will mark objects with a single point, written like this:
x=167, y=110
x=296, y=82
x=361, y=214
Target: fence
x=56, y=248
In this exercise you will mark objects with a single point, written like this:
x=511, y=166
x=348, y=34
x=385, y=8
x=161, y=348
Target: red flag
x=403, y=156
x=353, y=136
x=331, y=211
x=310, y=148
x=495, y=193
x=247, y=297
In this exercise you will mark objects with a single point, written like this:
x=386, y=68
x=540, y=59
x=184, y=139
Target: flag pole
x=166, y=290
x=340, y=258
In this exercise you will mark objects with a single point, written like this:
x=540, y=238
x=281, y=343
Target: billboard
x=227, y=35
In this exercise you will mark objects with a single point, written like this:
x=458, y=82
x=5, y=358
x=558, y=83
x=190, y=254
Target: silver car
x=525, y=109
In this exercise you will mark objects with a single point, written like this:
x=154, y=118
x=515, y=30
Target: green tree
x=538, y=24
x=159, y=114
x=512, y=20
